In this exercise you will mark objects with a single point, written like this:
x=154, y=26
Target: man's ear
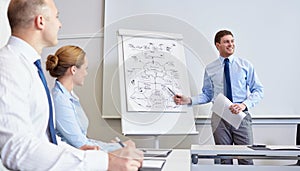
x=217, y=45
x=39, y=22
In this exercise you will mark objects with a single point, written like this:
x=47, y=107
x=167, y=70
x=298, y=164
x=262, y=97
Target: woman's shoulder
x=59, y=96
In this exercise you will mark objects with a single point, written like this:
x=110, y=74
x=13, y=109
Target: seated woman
x=69, y=65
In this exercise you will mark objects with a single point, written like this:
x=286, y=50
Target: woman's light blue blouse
x=72, y=122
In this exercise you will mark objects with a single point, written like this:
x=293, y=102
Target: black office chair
x=298, y=140
x=297, y=143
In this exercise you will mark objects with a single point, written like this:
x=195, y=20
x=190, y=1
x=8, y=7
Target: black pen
x=171, y=91
x=119, y=141
x=174, y=94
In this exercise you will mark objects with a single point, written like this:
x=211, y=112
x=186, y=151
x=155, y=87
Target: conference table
x=181, y=159
x=218, y=152
x=178, y=159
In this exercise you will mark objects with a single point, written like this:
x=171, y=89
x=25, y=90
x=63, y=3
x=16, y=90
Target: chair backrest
x=298, y=135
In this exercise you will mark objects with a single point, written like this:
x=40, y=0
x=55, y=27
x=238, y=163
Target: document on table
x=221, y=108
x=284, y=147
x=156, y=152
x=152, y=164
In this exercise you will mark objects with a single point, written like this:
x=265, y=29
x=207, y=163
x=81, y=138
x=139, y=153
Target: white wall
x=4, y=25
x=85, y=32
x=91, y=92
x=266, y=33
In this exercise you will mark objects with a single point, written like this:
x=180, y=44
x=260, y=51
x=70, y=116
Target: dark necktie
x=227, y=79
x=50, y=121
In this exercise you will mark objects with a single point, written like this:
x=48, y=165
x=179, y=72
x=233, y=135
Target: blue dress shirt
x=246, y=87
x=71, y=120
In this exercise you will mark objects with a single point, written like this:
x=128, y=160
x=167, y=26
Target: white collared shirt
x=24, y=113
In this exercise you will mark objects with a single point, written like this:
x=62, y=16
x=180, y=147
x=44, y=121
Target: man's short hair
x=21, y=13
x=220, y=34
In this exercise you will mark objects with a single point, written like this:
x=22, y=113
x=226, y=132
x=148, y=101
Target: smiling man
x=236, y=78
x=27, y=136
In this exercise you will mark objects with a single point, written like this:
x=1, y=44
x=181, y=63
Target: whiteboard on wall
x=152, y=68
x=267, y=35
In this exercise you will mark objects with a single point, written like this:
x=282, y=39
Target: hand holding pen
x=126, y=158
x=180, y=99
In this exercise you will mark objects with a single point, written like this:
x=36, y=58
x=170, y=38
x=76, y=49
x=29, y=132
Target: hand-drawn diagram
x=152, y=74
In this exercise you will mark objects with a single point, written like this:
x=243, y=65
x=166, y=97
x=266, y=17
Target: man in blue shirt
x=246, y=92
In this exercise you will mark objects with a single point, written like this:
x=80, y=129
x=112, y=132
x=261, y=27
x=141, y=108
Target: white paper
x=221, y=107
x=283, y=147
x=153, y=163
x=156, y=152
